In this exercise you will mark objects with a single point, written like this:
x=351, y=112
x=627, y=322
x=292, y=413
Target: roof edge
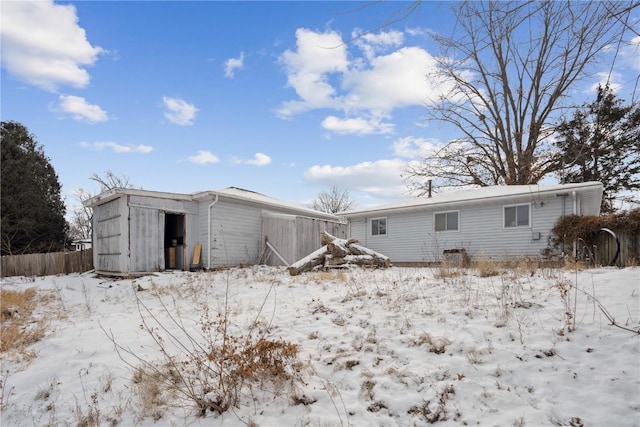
x=114, y=193
x=422, y=202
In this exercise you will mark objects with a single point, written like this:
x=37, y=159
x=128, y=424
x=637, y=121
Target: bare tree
x=110, y=180
x=82, y=216
x=333, y=200
x=509, y=66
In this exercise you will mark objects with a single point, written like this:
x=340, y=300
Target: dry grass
x=486, y=267
x=215, y=380
x=447, y=270
x=572, y=264
x=210, y=368
x=437, y=345
x=18, y=328
x=319, y=276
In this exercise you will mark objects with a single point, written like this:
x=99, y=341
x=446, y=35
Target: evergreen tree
x=602, y=143
x=32, y=211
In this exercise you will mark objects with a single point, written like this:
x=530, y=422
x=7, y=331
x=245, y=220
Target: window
x=446, y=221
x=379, y=226
x=516, y=216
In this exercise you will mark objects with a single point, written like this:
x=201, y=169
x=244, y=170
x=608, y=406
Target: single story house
x=80, y=244
x=140, y=231
x=499, y=222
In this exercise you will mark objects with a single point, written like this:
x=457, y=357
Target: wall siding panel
x=235, y=234
x=411, y=236
x=110, y=236
x=146, y=239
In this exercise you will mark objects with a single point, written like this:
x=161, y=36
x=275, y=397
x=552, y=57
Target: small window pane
x=452, y=221
x=447, y=221
x=441, y=222
x=378, y=227
x=510, y=216
x=523, y=216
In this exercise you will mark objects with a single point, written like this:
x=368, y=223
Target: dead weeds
x=18, y=327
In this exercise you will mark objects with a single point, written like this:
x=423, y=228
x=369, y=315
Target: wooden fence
x=47, y=264
x=606, y=249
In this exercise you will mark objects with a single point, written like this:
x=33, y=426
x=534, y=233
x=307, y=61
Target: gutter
x=209, y=231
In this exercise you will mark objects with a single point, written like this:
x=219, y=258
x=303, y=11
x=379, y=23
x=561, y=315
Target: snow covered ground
x=402, y=346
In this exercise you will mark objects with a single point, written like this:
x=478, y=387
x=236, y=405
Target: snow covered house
x=140, y=231
x=499, y=222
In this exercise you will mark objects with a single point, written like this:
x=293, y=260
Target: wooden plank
x=196, y=254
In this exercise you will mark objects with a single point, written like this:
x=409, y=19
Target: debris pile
x=337, y=252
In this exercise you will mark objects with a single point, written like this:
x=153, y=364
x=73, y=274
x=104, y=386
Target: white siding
x=111, y=235
x=147, y=220
x=411, y=236
x=238, y=229
x=146, y=239
x=235, y=233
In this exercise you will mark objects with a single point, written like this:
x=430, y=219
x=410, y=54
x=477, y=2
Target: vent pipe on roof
x=429, y=193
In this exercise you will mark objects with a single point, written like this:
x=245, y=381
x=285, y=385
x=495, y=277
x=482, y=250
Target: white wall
x=110, y=236
x=411, y=236
x=235, y=233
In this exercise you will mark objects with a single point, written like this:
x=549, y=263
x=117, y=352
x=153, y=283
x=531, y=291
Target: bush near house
x=588, y=230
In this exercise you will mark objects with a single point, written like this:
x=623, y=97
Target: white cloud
x=357, y=126
x=43, y=45
x=626, y=56
x=381, y=178
x=81, y=110
x=373, y=43
x=118, y=148
x=391, y=81
x=308, y=68
x=204, y=157
x=259, y=159
x=233, y=64
x=415, y=148
x=179, y=111
x=365, y=87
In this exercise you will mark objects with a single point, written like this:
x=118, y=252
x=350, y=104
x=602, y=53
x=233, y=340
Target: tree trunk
x=307, y=263
x=337, y=252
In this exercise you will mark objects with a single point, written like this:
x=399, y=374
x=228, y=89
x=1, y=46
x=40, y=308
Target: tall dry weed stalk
x=207, y=366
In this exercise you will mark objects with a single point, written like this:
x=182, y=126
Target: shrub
x=17, y=326
x=572, y=228
x=210, y=369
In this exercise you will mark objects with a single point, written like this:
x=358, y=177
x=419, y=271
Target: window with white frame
x=379, y=226
x=447, y=221
x=517, y=216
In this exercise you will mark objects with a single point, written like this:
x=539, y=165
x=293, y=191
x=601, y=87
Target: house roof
x=114, y=193
x=498, y=192
x=230, y=193
x=258, y=198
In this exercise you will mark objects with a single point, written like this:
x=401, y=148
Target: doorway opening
x=174, y=241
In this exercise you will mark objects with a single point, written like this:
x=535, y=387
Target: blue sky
x=281, y=98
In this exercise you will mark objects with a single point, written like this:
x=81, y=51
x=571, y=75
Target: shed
x=141, y=231
x=499, y=222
